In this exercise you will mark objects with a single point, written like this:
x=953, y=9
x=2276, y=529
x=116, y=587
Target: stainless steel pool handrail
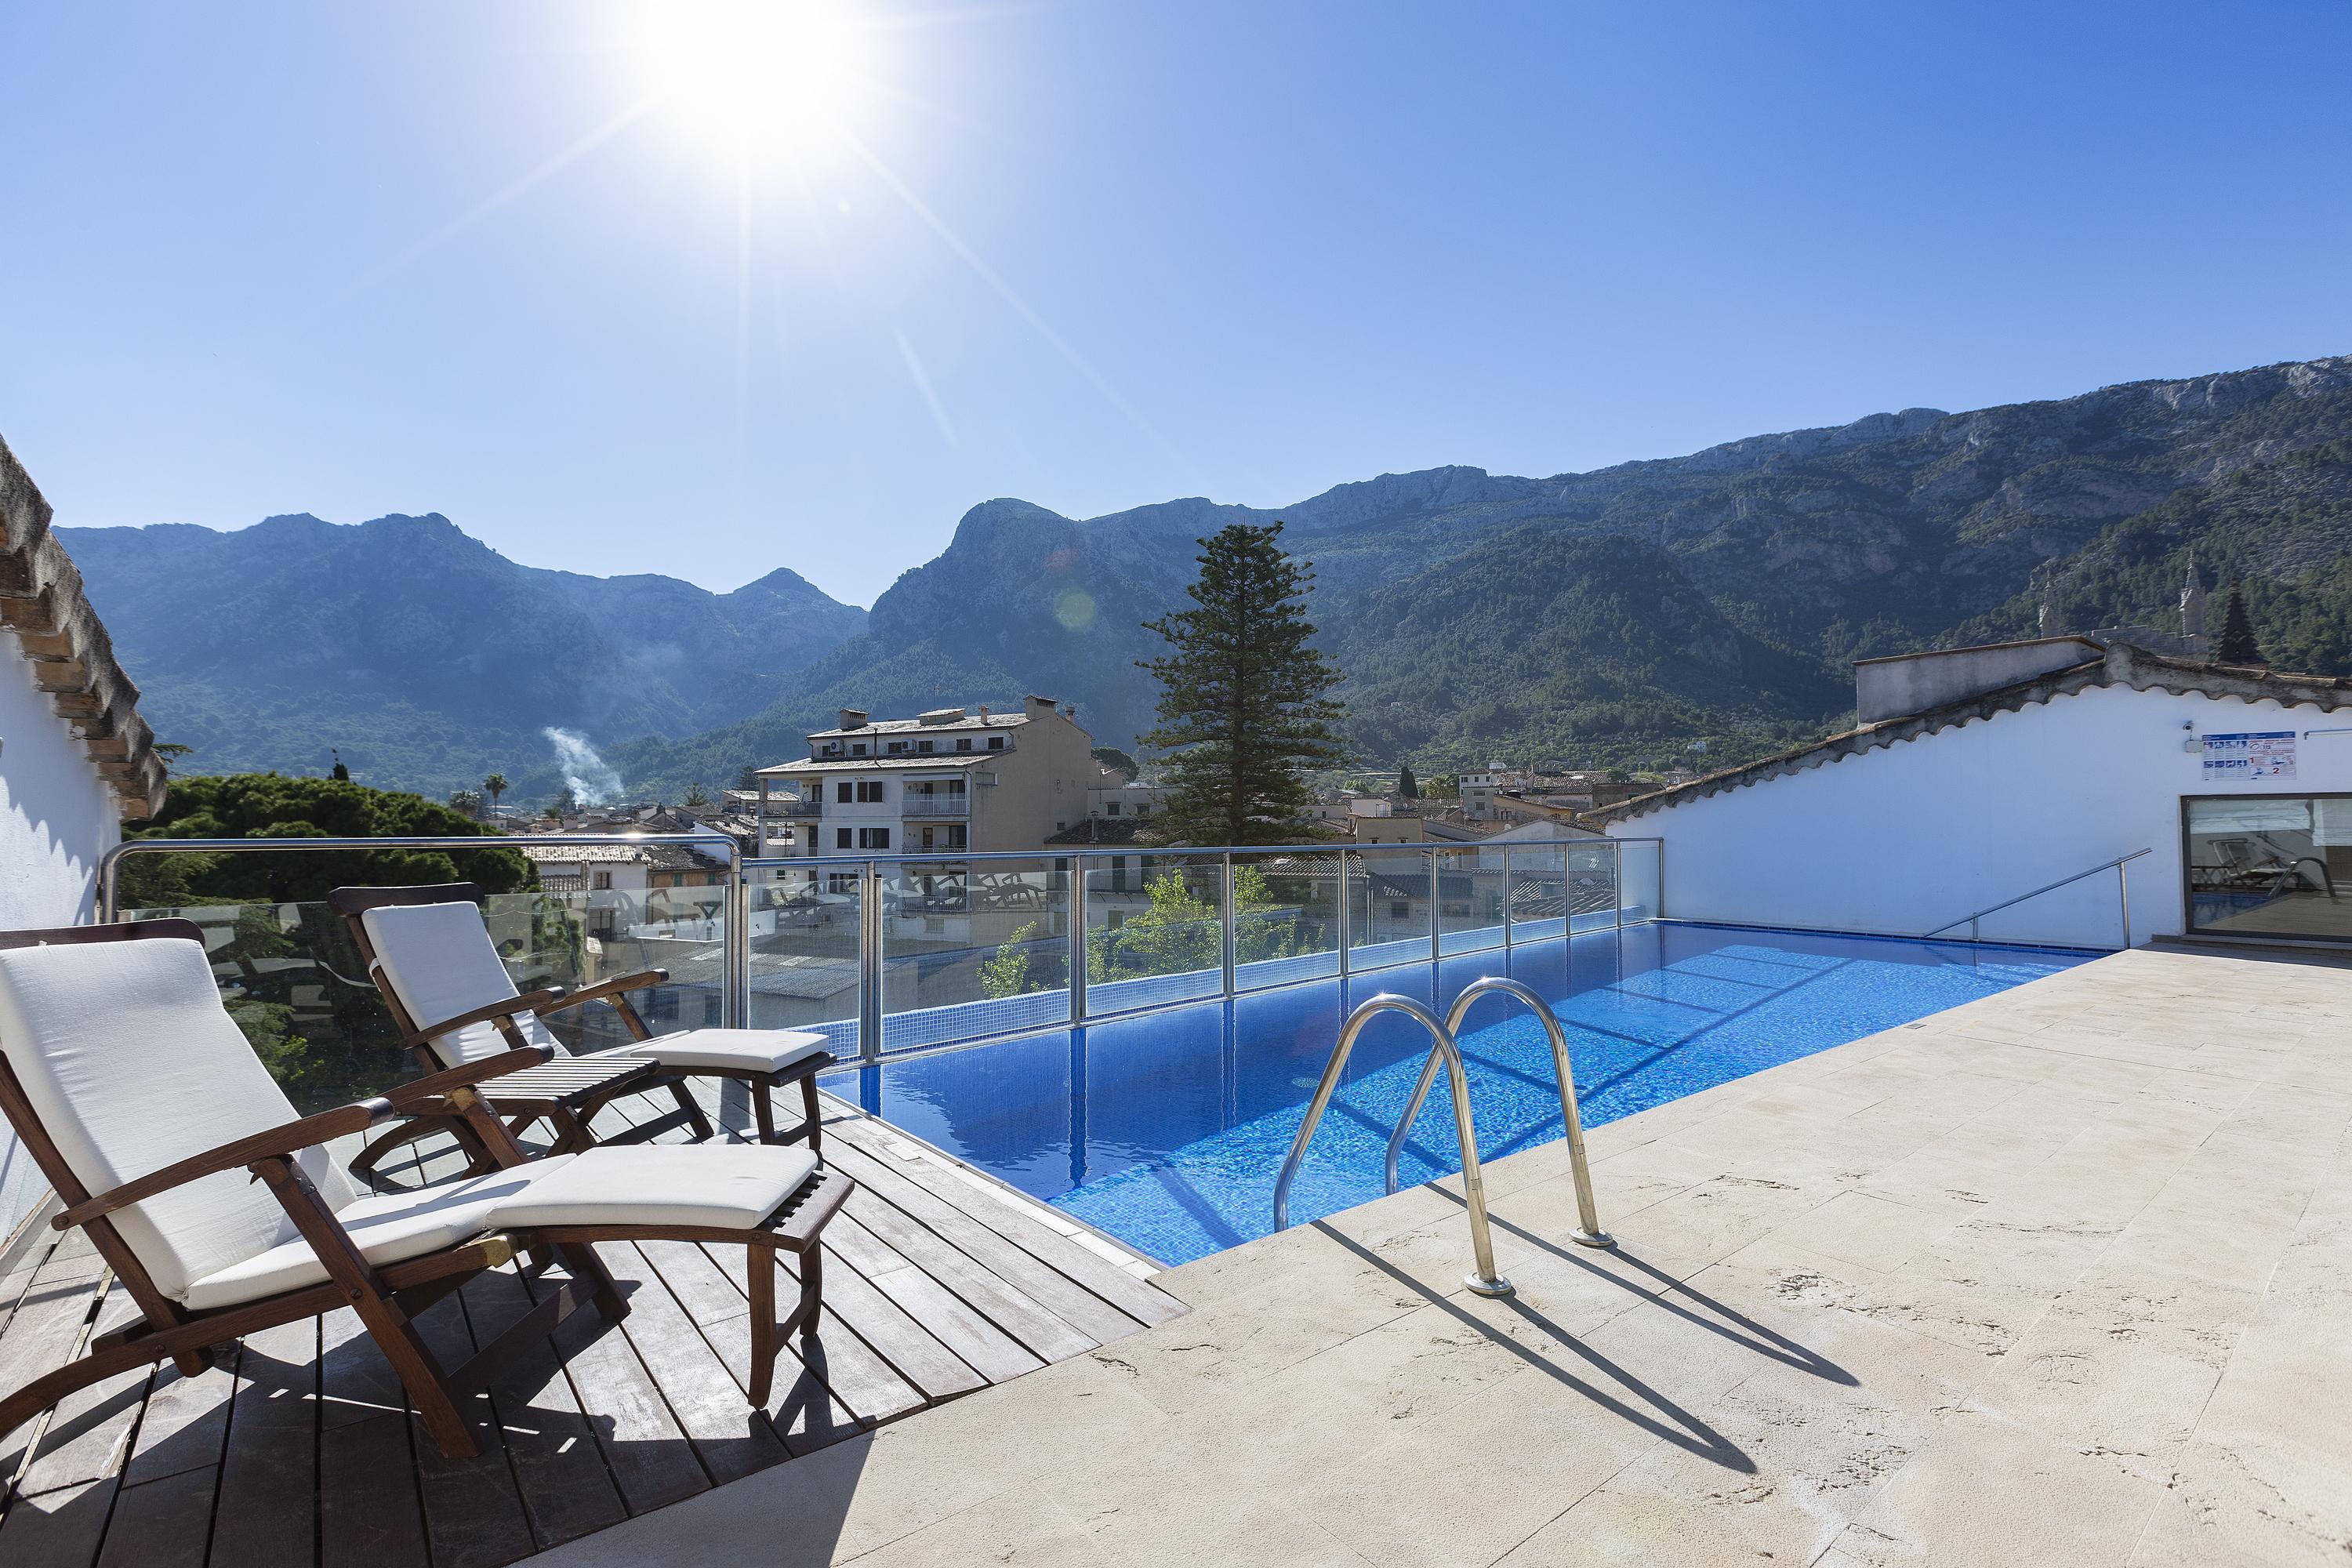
x=1588, y=1216
x=2123, y=897
x=1484, y=1282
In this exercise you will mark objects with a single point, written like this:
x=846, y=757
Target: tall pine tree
x=2236, y=643
x=1244, y=710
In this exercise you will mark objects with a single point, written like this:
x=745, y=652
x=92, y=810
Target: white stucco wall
x=57, y=817
x=1906, y=838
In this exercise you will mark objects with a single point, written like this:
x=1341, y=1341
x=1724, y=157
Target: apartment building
x=951, y=780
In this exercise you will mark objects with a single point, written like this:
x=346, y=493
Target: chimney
x=1039, y=707
x=853, y=718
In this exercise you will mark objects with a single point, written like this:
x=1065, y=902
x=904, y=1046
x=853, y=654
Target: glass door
x=2268, y=865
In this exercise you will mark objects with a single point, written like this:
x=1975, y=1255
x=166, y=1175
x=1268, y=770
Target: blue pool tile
x=1167, y=1129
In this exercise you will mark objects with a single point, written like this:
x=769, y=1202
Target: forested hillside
x=1626, y=616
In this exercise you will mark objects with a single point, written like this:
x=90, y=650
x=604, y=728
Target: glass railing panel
x=292, y=977
x=1537, y=891
x=1593, y=885
x=1469, y=899
x=803, y=959
x=1285, y=917
x=1638, y=880
x=1389, y=921
x=974, y=948
x=1155, y=930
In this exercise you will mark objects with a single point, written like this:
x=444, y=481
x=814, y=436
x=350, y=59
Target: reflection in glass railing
x=1155, y=930
x=293, y=979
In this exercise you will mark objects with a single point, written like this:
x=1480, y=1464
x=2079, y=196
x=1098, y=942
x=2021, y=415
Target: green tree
x=494, y=786
x=696, y=796
x=1244, y=708
x=1117, y=761
x=1007, y=973
x=469, y=801
x=1408, y=787
x=1181, y=931
x=272, y=806
x=2236, y=643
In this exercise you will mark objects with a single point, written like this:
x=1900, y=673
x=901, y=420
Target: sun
x=767, y=78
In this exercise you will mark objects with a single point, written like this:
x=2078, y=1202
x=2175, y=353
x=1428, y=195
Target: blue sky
x=569, y=274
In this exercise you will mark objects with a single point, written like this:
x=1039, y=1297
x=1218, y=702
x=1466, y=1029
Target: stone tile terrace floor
x=2063, y=1275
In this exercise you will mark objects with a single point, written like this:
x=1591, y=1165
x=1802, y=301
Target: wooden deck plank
x=59, y=1529
x=910, y=1349
x=89, y=1432
x=473, y=1513
x=1066, y=1297
x=566, y=1490
x=370, y=1512
x=1138, y=1299
x=43, y=1337
x=976, y=1341
x=185, y=1425
x=802, y=1407
x=731, y=1438
x=162, y=1524
x=857, y=1376
x=651, y=1460
x=268, y=1482
x=1014, y=1311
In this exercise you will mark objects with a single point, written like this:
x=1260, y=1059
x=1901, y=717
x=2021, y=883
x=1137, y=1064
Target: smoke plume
x=589, y=777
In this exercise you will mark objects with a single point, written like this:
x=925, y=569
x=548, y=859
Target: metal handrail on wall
x=1589, y=1232
x=2123, y=898
x=1484, y=1281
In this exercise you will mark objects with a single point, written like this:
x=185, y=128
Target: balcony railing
x=943, y=804
x=894, y=952
x=792, y=808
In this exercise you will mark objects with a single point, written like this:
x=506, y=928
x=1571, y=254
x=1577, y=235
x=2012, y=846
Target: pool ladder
x=1484, y=1281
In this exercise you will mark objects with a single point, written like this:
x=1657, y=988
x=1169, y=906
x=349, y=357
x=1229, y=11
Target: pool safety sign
x=2245, y=759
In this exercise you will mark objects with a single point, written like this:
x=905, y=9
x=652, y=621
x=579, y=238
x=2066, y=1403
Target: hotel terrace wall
x=1906, y=837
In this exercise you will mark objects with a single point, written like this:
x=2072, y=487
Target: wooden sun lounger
x=388, y=1296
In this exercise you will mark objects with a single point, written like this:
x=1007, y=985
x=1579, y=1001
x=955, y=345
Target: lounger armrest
x=607, y=988
x=491, y=1013
x=424, y=1090
x=290, y=1138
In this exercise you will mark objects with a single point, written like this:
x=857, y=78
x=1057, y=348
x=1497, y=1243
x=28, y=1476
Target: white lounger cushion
x=389, y=1229
x=725, y=1187
x=132, y=1064
x=727, y=1050
x=440, y=962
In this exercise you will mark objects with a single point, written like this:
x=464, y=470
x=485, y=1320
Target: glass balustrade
x=905, y=953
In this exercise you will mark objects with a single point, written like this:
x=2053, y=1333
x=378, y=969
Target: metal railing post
x=735, y=947
x=1347, y=922
x=1617, y=883
x=2123, y=901
x=1437, y=926
x=869, y=961
x=1077, y=939
x=1507, y=900
x=1229, y=943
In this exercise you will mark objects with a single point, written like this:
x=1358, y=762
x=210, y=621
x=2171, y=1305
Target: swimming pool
x=1167, y=1129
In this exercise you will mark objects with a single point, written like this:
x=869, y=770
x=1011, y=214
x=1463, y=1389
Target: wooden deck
x=296, y=1449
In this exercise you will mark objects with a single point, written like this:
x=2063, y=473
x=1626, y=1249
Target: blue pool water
x=1167, y=1129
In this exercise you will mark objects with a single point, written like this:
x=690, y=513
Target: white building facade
x=76, y=758
x=2237, y=782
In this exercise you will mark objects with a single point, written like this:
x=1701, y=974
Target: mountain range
x=1635, y=614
